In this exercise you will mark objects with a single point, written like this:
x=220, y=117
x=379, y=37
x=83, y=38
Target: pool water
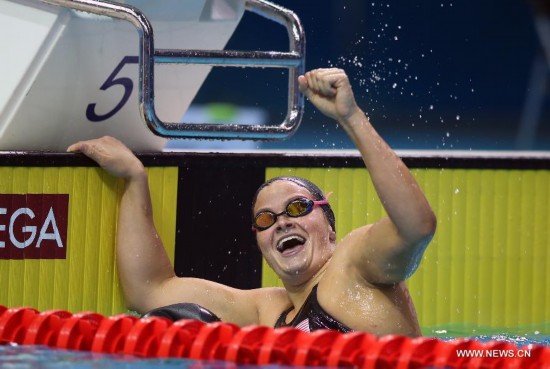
x=41, y=357
x=519, y=336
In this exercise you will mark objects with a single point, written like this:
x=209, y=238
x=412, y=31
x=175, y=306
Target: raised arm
x=147, y=276
x=388, y=251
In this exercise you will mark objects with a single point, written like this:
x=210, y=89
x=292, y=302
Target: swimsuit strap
x=281, y=321
x=311, y=316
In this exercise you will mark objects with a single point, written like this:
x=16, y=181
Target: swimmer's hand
x=112, y=155
x=330, y=91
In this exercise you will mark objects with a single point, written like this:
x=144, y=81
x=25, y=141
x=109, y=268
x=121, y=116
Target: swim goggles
x=295, y=208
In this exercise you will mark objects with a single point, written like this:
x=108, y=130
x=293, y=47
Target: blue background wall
x=432, y=75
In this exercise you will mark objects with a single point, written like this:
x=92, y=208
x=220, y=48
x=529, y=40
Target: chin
x=298, y=272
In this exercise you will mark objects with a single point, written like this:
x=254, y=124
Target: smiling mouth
x=290, y=242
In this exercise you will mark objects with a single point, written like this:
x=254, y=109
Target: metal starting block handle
x=293, y=60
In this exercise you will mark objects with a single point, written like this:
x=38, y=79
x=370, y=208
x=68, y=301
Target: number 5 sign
x=72, y=76
x=111, y=81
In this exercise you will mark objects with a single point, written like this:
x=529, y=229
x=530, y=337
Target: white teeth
x=280, y=244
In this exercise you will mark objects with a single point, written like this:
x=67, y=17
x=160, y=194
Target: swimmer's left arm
x=387, y=251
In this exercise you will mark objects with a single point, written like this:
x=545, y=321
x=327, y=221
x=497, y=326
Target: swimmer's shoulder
x=271, y=302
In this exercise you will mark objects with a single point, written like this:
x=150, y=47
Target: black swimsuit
x=311, y=317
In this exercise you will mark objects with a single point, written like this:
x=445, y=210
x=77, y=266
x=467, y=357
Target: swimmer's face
x=296, y=248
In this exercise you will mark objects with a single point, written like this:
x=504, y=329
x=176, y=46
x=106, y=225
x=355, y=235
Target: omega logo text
x=33, y=226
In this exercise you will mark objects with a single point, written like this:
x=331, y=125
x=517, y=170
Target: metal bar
x=225, y=58
x=106, y=8
x=292, y=60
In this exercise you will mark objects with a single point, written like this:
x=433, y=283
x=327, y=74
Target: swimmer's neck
x=298, y=293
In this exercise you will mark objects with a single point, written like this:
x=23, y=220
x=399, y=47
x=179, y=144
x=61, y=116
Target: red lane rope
x=157, y=337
